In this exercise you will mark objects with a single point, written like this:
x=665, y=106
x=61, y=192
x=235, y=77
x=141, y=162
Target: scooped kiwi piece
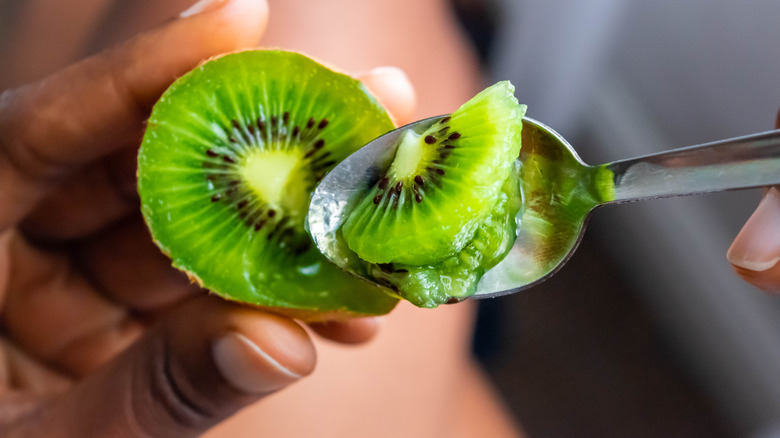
x=455, y=277
x=231, y=154
x=441, y=185
x=445, y=211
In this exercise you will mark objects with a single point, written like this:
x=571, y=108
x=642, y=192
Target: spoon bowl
x=559, y=192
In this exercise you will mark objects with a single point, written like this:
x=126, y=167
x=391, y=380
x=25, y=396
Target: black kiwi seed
x=454, y=136
x=453, y=300
x=279, y=226
x=377, y=199
x=386, y=267
x=449, y=146
x=399, y=186
x=230, y=189
x=301, y=249
x=445, y=120
x=418, y=197
x=439, y=171
x=320, y=157
x=419, y=180
x=429, y=139
x=383, y=182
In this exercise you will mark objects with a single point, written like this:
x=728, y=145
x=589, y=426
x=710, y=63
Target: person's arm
x=755, y=252
x=87, y=348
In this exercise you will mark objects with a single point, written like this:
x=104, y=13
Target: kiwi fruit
x=230, y=156
x=441, y=185
x=444, y=211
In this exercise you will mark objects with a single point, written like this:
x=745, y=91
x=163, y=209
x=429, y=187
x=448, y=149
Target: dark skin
x=77, y=302
x=100, y=337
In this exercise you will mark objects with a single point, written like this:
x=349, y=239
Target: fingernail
x=757, y=246
x=248, y=368
x=201, y=6
x=389, y=71
x=394, y=91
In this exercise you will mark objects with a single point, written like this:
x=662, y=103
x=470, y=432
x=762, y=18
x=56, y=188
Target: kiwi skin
x=213, y=217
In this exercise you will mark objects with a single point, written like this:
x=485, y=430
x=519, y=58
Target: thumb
x=755, y=252
x=206, y=362
x=96, y=106
x=392, y=88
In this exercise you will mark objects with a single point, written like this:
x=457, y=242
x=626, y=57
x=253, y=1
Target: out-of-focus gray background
x=647, y=332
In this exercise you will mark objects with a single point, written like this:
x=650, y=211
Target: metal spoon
x=559, y=191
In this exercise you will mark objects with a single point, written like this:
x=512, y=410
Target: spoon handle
x=736, y=163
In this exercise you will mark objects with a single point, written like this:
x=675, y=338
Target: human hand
x=100, y=337
x=755, y=252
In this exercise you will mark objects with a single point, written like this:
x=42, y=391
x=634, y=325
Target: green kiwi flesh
x=444, y=212
x=455, y=277
x=230, y=156
x=441, y=185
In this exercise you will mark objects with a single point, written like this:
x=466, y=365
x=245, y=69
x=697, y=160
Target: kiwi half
x=444, y=212
x=230, y=156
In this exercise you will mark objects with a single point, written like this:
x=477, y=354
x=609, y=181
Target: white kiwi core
x=275, y=176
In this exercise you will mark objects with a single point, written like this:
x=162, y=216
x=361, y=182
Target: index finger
x=95, y=106
x=103, y=192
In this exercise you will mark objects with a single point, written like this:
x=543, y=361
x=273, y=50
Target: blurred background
x=646, y=332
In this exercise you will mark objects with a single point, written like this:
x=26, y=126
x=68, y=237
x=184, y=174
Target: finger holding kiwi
x=230, y=156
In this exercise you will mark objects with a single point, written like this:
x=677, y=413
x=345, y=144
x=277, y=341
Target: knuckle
x=24, y=124
x=173, y=401
x=182, y=406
